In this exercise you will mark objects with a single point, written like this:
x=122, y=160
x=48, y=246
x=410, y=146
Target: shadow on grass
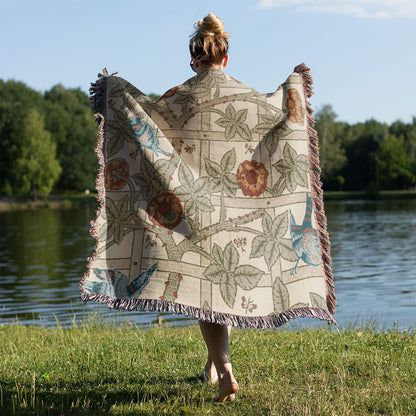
x=98, y=397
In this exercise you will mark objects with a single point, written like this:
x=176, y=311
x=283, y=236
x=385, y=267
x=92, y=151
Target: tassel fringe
x=257, y=322
x=317, y=192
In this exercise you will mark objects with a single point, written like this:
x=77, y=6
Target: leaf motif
x=230, y=131
x=271, y=253
x=286, y=249
x=283, y=166
x=138, y=180
x=118, y=214
x=262, y=128
x=289, y=153
x=118, y=230
x=241, y=116
x=267, y=223
x=230, y=184
x=214, y=273
x=228, y=289
x=270, y=119
x=244, y=131
x=216, y=186
x=230, y=112
x=318, y=301
x=183, y=193
x=223, y=122
x=147, y=191
x=271, y=142
x=290, y=182
x=247, y=276
x=166, y=167
x=115, y=145
x=257, y=246
x=217, y=253
x=231, y=257
x=185, y=98
x=119, y=135
x=185, y=176
x=213, y=168
x=201, y=186
x=279, y=186
x=280, y=296
x=228, y=161
x=280, y=225
x=204, y=204
x=299, y=305
x=190, y=207
x=299, y=177
x=303, y=162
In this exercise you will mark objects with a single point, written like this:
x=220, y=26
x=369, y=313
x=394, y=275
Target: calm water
x=43, y=257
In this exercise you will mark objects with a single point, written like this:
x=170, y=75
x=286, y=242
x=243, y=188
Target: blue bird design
x=145, y=136
x=113, y=283
x=305, y=240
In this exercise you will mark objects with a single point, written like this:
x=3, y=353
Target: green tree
x=361, y=142
x=35, y=167
x=408, y=133
x=71, y=123
x=332, y=154
x=15, y=97
x=394, y=164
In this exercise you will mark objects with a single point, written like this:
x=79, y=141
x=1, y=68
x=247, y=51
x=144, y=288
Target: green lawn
x=104, y=369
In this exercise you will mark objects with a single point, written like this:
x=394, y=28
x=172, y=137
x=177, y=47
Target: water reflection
x=43, y=257
x=374, y=260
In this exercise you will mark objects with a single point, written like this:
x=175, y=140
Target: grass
x=103, y=369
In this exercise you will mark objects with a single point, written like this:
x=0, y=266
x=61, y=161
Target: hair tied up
x=209, y=42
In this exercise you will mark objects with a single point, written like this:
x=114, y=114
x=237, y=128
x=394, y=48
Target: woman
x=209, y=49
x=211, y=204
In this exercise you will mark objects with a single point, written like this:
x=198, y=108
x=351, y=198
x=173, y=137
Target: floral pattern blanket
x=210, y=202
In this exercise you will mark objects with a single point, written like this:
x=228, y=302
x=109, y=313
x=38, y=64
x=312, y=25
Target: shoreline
x=61, y=201
x=66, y=201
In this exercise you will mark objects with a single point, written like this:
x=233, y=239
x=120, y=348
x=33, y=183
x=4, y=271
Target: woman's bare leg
x=216, y=339
x=210, y=372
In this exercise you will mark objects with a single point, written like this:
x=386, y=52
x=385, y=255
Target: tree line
x=47, y=143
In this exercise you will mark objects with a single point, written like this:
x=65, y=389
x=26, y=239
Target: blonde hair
x=209, y=42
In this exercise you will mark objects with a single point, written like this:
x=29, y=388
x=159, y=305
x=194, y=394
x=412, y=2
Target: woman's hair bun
x=211, y=25
x=209, y=42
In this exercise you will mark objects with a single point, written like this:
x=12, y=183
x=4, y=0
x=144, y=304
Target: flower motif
x=252, y=177
x=165, y=210
x=116, y=173
x=294, y=106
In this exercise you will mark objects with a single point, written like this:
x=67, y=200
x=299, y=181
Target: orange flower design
x=252, y=177
x=294, y=106
x=165, y=210
x=116, y=173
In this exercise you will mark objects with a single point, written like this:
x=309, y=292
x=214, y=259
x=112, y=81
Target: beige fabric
x=209, y=203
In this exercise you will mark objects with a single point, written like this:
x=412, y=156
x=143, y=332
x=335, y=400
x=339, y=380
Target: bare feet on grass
x=209, y=375
x=228, y=388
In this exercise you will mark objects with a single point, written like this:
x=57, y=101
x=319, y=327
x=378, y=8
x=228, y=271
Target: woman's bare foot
x=209, y=375
x=228, y=388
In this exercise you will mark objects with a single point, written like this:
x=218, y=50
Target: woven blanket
x=210, y=202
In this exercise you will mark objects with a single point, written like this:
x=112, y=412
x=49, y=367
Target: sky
x=361, y=52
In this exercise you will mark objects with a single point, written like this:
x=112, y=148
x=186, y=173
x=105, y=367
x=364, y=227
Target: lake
x=43, y=255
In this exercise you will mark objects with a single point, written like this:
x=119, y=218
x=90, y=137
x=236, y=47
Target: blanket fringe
x=255, y=322
x=317, y=192
x=97, y=102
